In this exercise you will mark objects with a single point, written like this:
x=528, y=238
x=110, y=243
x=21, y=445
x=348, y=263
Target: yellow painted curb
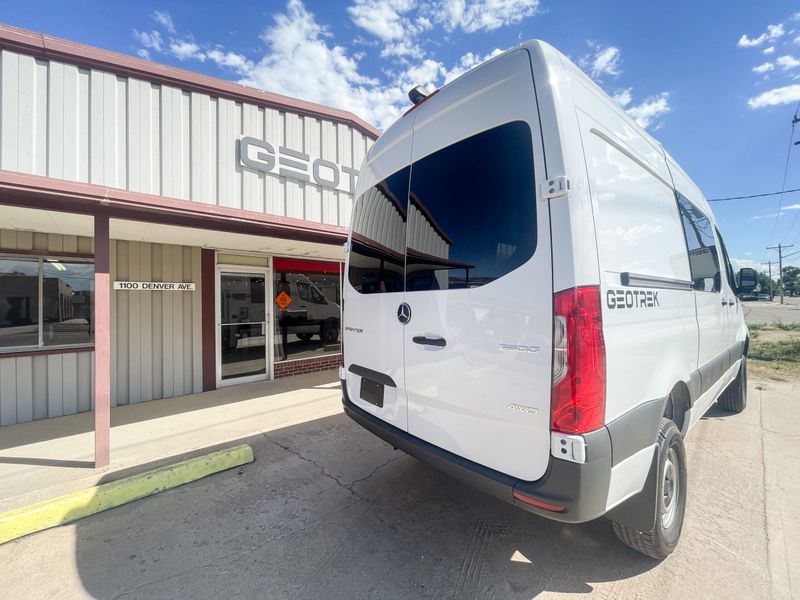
x=66, y=509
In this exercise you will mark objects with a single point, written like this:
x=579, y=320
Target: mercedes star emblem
x=404, y=313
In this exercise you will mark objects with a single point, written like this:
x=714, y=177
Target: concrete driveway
x=329, y=511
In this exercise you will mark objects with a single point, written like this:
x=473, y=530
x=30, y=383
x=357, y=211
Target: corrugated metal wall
x=64, y=121
x=155, y=336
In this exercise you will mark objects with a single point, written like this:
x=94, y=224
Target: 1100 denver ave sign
x=260, y=155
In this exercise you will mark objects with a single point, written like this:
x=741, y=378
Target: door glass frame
x=268, y=309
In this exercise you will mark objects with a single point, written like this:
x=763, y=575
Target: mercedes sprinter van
x=538, y=300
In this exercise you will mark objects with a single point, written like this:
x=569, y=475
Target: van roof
x=556, y=61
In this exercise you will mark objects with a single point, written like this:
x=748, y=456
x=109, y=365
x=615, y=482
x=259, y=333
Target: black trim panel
x=635, y=430
x=375, y=376
x=710, y=372
x=581, y=489
x=649, y=281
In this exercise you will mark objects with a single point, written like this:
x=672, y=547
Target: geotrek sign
x=153, y=286
x=260, y=155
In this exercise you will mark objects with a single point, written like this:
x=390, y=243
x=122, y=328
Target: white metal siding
x=155, y=336
x=64, y=121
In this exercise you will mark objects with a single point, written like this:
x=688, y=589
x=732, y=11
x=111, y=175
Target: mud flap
x=640, y=511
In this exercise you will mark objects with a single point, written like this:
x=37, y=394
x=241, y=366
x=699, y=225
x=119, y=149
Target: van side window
x=703, y=256
x=728, y=267
x=472, y=211
x=377, y=245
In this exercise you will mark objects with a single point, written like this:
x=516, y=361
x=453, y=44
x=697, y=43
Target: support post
x=102, y=343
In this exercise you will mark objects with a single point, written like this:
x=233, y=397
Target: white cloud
x=746, y=263
x=382, y=18
x=623, y=97
x=164, y=19
x=300, y=62
x=467, y=62
x=764, y=68
x=149, y=39
x=143, y=53
x=230, y=60
x=477, y=15
x=792, y=207
x=773, y=32
x=787, y=62
x=603, y=60
x=768, y=50
x=774, y=97
x=185, y=49
x=771, y=215
x=648, y=112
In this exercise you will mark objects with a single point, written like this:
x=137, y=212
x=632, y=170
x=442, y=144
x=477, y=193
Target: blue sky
x=717, y=82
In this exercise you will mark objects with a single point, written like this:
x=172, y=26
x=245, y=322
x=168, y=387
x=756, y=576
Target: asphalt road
x=759, y=311
x=328, y=511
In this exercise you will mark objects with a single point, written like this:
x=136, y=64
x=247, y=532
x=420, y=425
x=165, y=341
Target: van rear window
x=468, y=218
x=472, y=211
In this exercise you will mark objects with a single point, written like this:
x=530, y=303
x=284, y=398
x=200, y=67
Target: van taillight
x=578, y=399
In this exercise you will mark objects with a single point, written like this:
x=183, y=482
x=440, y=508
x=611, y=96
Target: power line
x=753, y=196
x=785, y=174
x=783, y=185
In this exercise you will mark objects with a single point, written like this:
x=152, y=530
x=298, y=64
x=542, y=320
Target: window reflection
x=379, y=236
x=68, y=295
x=307, y=298
x=703, y=257
x=19, y=302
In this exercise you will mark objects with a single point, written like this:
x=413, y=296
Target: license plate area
x=372, y=392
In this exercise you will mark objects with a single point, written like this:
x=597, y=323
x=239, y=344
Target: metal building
x=161, y=232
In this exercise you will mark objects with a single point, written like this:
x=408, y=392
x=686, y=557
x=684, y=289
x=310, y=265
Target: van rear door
x=478, y=273
x=373, y=291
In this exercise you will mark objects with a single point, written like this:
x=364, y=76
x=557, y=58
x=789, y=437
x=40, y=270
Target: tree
x=764, y=284
x=791, y=279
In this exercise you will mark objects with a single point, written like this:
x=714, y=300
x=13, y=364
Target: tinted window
x=703, y=256
x=19, y=302
x=727, y=261
x=472, y=211
x=309, y=325
x=377, y=245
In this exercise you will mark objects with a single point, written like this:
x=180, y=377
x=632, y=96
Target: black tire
x=734, y=398
x=329, y=332
x=659, y=542
x=305, y=336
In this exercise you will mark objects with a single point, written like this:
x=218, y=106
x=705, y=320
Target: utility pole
x=780, y=249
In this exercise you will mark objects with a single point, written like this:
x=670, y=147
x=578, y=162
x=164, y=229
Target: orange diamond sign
x=283, y=300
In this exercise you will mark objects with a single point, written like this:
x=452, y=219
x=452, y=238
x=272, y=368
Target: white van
x=538, y=300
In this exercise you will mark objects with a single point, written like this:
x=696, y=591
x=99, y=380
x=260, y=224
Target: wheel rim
x=670, y=490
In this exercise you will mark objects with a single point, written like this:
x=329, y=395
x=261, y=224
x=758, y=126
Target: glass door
x=243, y=326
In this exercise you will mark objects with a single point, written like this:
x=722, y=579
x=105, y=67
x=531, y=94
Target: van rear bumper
x=581, y=489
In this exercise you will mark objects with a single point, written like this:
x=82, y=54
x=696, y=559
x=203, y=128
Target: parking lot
x=327, y=510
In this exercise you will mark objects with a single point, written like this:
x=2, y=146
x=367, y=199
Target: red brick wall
x=307, y=365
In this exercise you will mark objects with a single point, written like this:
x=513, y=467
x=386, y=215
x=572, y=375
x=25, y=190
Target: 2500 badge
x=632, y=299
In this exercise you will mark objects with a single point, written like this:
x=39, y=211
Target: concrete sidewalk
x=48, y=458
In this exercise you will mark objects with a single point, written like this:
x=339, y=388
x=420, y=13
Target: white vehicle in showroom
x=538, y=300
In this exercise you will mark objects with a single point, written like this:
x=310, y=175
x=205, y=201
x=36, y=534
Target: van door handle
x=430, y=341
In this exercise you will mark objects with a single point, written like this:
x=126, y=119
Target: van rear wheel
x=670, y=502
x=734, y=398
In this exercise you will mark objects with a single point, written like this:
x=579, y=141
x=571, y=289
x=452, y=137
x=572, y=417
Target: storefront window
x=307, y=300
x=45, y=302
